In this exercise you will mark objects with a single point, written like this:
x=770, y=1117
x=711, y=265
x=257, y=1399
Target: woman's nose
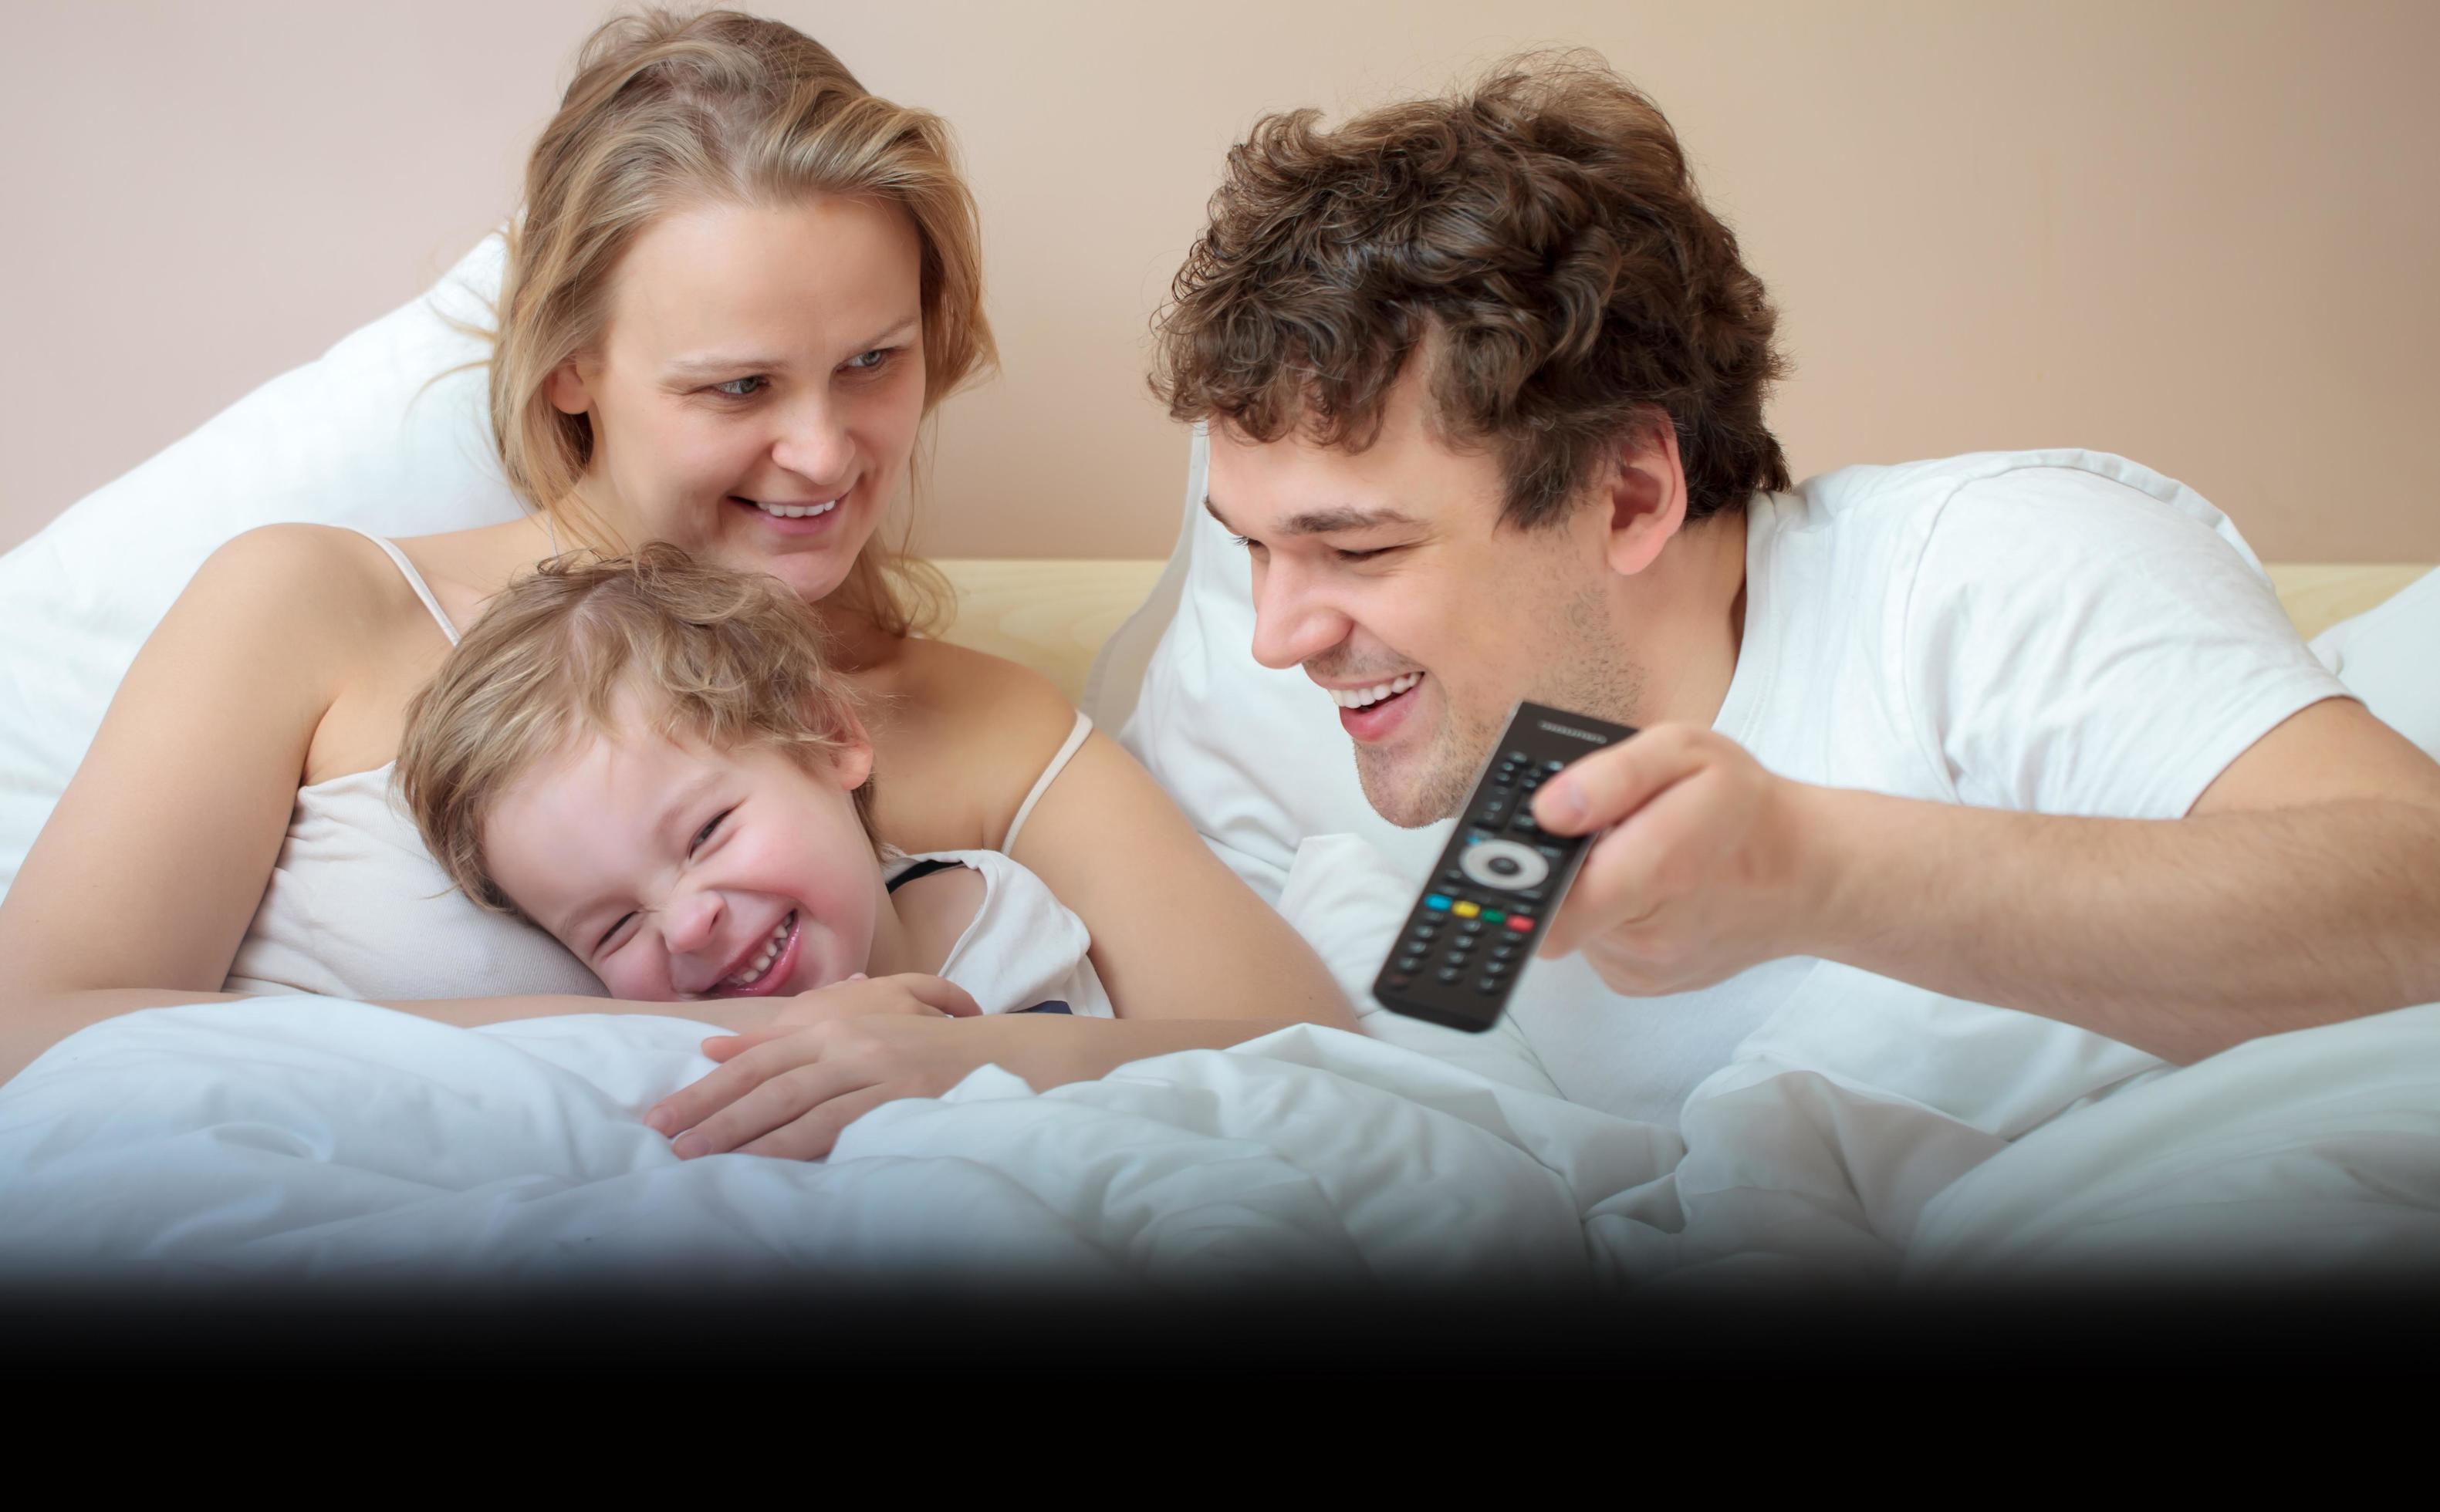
x=816, y=446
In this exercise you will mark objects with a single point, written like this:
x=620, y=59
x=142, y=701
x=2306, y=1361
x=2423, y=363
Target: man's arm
x=2303, y=888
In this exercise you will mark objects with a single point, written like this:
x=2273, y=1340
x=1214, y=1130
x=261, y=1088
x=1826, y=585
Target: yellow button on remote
x=1466, y=910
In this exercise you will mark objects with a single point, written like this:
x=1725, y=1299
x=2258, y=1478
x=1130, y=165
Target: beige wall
x=2201, y=233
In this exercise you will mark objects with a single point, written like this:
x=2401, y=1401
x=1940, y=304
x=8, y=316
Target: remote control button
x=1521, y=923
x=1554, y=767
x=1436, y=903
x=1472, y=926
x=1493, y=915
x=1488, y=986
x=1410, y=963
x=1453, y=875
x=1395, y=982
x=1531, y=895
x=1452, y=958
x=1504, y=953
x=1520, y=758
x=1505, y=865
x=1449, y=974
x=1466, y=910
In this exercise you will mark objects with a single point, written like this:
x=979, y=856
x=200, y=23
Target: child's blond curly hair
x=725, y=658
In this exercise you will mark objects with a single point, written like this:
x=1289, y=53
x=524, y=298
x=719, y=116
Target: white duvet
x=1869, y=1134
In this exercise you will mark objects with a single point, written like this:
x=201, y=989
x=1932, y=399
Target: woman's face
x=757, y=391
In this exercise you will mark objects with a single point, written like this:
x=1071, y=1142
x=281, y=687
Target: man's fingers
x=811, y=1136
x=1610, y=784
x=1642, y=864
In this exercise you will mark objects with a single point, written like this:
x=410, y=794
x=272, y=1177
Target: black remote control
x=1491, y=895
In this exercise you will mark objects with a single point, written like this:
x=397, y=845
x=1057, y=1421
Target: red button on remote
x=1520, y=923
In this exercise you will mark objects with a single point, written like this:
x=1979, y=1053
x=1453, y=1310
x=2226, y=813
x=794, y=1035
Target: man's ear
x=567, y=389
x=1647, y=495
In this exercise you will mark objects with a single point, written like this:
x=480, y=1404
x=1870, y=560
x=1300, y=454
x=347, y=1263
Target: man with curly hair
x=1484, y=381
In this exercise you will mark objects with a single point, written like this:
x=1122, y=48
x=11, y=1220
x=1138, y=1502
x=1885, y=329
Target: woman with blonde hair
x=739, y=287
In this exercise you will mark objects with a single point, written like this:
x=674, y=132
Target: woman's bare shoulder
x=967, y=729
x=301, y=577
x=975, y=689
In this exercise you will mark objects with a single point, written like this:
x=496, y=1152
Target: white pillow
x=2389, y=657
x=363, y=437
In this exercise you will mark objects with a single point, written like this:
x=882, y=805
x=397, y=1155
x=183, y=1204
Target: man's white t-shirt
x=2061, y=633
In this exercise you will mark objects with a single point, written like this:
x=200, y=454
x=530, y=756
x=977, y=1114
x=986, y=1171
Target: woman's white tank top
x=357, y=908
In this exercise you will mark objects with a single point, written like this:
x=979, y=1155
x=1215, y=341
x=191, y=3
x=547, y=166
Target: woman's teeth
x=1356, y=697
x=795, y=511
x=770, y=952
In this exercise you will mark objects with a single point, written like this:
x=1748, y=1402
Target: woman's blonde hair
x=726, y=659
x=669, y=110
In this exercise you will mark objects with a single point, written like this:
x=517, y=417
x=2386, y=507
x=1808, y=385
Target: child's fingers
x=773, y=1104
x=811, y=1136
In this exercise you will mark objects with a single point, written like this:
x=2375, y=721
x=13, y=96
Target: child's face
x=672, y=870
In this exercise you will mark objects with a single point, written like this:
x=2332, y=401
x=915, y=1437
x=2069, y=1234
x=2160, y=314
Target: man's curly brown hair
x=1541, y=232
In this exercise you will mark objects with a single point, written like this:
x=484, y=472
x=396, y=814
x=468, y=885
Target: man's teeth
x=1356, y=697
x=770, y=952
x=795, y=511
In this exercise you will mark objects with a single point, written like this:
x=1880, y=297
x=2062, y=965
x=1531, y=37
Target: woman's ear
x=1647, y=496
x=567, y=389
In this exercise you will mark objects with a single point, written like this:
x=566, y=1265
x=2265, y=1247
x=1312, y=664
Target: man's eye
x=741, y=387
x=612, y=931
x=1366, y=556
x=705, y=833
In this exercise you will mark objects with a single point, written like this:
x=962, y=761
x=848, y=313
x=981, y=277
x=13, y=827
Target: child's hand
x=788, y=1092
x=860, y=995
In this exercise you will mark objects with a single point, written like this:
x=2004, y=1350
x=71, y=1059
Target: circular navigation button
x=1505, y=865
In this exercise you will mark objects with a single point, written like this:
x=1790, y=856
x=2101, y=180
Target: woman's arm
x=143, y=883
x=1175, y=934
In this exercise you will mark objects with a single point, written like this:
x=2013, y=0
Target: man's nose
x=1293, y=621
x=691, y=921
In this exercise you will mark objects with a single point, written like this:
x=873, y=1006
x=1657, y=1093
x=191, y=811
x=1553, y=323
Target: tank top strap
x=1083, y=727
x=414, y=580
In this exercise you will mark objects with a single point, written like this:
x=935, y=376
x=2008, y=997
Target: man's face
x=1387, y=574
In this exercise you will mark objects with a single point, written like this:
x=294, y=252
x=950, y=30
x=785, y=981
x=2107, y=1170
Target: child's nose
x=693, y=921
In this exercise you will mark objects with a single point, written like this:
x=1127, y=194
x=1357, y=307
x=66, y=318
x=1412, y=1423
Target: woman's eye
x=870, y=360
x=741, y=387
x=703, y=835
x=611, y=933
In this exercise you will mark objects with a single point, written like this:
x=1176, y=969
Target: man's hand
x=1703, y=873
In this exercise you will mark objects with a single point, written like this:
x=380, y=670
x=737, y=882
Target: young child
x=654, y=760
